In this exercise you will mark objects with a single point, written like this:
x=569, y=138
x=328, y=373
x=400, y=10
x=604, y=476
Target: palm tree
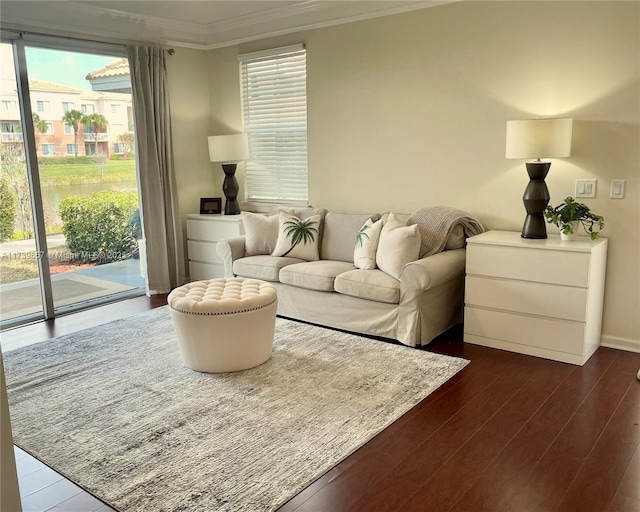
x=96, y=121
x=362, y=234
x=74, y=118
x=40, y=125
x=299, y=231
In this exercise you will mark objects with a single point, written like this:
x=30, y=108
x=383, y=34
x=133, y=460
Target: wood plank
x=564, y=456
x=506, y=476
x=598, y=479
x=627, y=497
x=457, y=474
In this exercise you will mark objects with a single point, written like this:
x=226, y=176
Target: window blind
x=274, y=105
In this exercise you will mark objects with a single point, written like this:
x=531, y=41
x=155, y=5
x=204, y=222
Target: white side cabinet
x=538, y=297
x=203, y=233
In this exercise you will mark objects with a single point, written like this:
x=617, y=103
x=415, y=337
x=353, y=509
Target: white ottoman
x=224, y=325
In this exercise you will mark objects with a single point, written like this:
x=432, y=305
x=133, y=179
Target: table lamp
x=228, y=150
x=538, y=138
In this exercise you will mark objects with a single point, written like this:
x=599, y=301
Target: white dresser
x=538, y=297
x=203, y=233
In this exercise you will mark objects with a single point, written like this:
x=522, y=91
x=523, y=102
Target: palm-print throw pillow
x=297, y=238
x=364, y=254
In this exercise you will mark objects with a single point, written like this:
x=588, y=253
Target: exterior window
x=114, y=108
x=42, y=106
x=9, y=105
x=118, y=148
x=67, y=105
x=48, y=149
x=68, y=129
x=49, y=130
x=274, y=107
x=87, y=108
x=10, y=128
x=71, y=149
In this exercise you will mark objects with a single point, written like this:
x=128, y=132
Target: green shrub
x=97, y=227
x=7, y=211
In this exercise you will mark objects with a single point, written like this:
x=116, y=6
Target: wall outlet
x=586, y=188
x=617, y=189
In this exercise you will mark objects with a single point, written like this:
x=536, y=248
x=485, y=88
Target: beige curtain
x=156, y=174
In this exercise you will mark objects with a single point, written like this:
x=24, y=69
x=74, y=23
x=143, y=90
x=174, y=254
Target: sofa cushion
x=399, y=244
x=261, y=233
x=369, y=284
x=265, y=267
x=314, y=275
x=298, y=238
x=340, y=232
x=364, y=253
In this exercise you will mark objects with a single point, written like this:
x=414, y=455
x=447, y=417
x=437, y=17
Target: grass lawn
x=71, y=174
x=21, y=266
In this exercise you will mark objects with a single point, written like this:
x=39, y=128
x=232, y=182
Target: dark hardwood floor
x=508, y=433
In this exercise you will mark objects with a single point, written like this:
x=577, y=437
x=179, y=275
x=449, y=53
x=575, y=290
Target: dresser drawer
x=203, y=251
x=545, y=333
x=529, y=264
x=212, y=231
x=554, y=301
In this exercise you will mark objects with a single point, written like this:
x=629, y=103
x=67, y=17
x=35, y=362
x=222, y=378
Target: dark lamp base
x=230, y=188
x=536, y=198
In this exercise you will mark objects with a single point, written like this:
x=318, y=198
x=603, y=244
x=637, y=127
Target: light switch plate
x=586, y=188
x=617, y=189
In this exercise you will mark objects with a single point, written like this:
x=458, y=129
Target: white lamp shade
x=539, y=138
x=228, y=148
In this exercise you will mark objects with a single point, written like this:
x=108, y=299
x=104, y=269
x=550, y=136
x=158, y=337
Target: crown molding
x=119, y=25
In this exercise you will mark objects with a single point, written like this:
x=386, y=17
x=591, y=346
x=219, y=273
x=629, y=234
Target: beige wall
x=409, y=110
x=189, y=88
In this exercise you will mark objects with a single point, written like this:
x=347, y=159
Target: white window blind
x=274, y=105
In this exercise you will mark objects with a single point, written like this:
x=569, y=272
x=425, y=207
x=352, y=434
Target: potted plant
x=568, y=214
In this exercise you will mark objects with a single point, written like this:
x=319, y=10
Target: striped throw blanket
x=436, y=223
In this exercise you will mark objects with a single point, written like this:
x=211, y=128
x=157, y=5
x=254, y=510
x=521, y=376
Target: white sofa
x=424, y=302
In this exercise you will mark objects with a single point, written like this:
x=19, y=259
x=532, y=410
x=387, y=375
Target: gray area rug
x=114, y=409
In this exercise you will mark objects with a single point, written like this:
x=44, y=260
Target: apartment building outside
x=50, y=101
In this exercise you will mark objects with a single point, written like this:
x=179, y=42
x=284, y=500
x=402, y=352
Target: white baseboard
x=628, y=344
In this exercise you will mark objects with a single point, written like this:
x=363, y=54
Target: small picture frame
x=210, y=205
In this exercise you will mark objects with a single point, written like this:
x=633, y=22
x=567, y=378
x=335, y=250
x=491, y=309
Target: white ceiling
x=195, y=23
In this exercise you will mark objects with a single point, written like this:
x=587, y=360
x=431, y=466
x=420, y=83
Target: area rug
x=115, y=410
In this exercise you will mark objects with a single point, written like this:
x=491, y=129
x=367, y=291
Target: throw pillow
x=297, y=238
x=399, y=244
x=364, y=254
x=261, y=233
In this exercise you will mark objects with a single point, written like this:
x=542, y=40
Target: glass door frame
x=19, y=41
x=33, y=176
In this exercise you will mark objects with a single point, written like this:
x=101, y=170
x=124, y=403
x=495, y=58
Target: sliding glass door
x=76, y=242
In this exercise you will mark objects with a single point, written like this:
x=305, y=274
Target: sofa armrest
x=434, y=270
x=430, y=296
x=230, y=250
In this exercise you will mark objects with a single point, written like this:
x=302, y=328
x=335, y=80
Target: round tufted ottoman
x=224, y=325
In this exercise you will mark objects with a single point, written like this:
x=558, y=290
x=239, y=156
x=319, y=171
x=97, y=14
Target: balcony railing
x=11, y=137
x=91, y=137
